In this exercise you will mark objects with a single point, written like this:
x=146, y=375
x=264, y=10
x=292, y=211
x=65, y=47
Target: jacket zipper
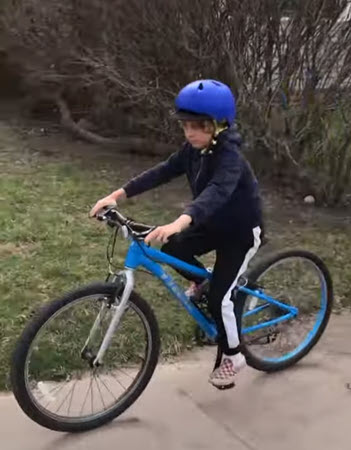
x=198, y=174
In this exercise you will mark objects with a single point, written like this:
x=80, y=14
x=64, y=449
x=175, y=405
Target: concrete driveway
x=305, y=408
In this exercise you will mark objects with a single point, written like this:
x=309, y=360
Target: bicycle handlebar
x=111, y=214
x=114, y=218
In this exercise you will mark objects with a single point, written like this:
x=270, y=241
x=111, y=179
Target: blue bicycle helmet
x=206, y=99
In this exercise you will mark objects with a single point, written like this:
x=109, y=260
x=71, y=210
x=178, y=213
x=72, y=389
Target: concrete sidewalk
x=305, y=408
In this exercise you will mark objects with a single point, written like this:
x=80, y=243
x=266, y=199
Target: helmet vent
x=201, y=86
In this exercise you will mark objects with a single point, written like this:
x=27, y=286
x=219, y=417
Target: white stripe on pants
x=228, y=315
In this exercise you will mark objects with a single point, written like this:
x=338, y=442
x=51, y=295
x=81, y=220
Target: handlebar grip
x=110, y=212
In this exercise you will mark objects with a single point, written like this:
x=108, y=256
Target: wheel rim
x=296, y=334
x=54, y=382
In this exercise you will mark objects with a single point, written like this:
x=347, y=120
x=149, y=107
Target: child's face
x=199, y=134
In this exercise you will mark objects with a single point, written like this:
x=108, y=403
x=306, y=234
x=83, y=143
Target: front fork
x=120, y=308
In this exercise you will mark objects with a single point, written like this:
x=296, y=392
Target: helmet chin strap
x=219, y=127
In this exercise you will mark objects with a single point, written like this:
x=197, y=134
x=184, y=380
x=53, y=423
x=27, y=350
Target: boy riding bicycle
x=225, y=214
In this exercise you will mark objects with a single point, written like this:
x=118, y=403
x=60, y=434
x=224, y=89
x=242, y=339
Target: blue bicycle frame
x=141, y=255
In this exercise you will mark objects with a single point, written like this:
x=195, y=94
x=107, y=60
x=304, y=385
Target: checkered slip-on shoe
x=225, y=374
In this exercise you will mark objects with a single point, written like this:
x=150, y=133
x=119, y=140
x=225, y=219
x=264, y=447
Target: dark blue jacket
x=224, y=188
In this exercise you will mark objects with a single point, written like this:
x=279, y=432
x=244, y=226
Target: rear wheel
x=296, y=278
x=57, y=385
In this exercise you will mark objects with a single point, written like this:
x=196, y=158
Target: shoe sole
x=221, y=383
x=223, y=386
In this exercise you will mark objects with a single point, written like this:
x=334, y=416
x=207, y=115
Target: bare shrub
x=119, y=63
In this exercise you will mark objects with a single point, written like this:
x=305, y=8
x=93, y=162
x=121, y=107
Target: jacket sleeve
x=162, y=173
x=219, y=189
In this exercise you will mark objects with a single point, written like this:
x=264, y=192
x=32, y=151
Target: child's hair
x=208, y=126
x=211, y=126
x=214, y=127
x=205, y=125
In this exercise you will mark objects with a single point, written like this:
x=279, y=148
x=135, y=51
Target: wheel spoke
x=119, y=382
x=125, y=373
x=70, y=402
x=86, y=396
x=101, y=396
x=63, y=401
x=56, y=393
x=107, y=388
x=51, y=391
x=92, y=394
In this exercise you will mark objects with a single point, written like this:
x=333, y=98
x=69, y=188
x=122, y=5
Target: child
x=225, y=214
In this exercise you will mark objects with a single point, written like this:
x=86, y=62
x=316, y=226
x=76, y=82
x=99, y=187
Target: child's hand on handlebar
x=110, y=200
x=162, y=234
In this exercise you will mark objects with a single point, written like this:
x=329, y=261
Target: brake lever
x=125, y=232
x=102, y=215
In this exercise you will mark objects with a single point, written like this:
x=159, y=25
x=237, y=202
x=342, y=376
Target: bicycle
x=104, y=337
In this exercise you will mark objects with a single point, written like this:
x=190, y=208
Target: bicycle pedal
x=272, y=338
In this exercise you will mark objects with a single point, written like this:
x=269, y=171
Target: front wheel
x=297, y=278
x=53, y=376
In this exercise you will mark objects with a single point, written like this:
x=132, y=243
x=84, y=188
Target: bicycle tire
x=253, y=276
x=23, y=346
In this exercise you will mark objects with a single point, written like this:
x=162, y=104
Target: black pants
x=233, y=253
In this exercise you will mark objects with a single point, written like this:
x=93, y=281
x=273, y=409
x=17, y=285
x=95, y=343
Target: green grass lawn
x=49, y=246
